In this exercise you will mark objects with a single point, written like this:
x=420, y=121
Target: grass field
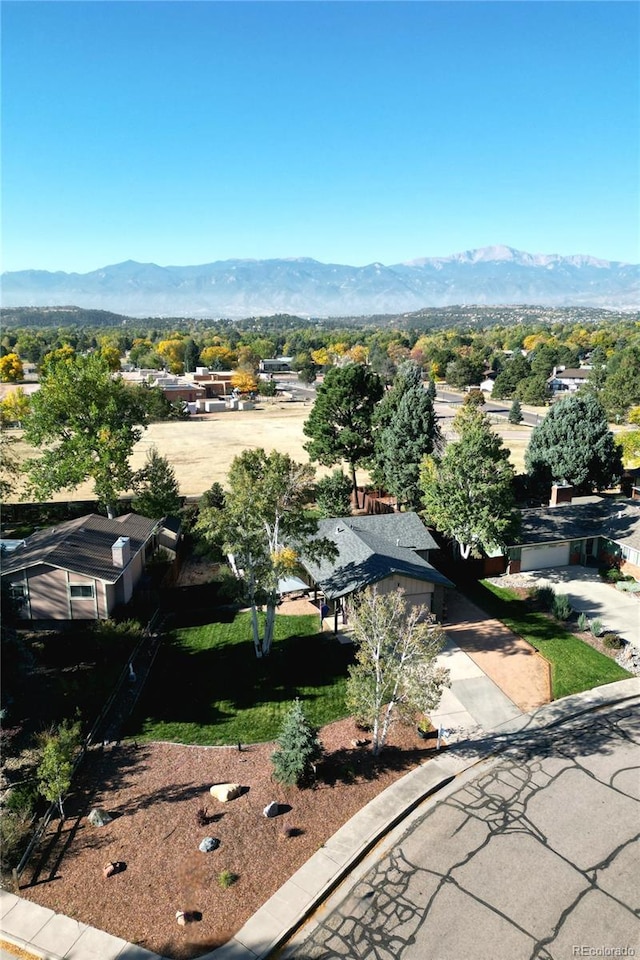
x=575, y=666
x=207, y=687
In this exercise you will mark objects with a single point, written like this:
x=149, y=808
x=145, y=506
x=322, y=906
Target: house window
x=18, y=592
x=81, y=591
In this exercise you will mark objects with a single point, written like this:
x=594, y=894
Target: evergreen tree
x=298, y=748
x=574, y=443
x=515, y=413
x=158, y=490
x=340, y=425
x=512, y=373
x=333, y=495
x=401, y=446
x=191, y=354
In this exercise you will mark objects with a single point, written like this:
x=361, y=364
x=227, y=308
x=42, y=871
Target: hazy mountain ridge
x=301, y=285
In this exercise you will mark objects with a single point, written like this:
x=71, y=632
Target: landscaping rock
x=110, y=869
x=225, y=791
x=181, y=917
x=272, y=809
x=209, y=844
x=99, y=817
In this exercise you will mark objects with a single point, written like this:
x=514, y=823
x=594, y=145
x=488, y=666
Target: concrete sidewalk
x=55, y=937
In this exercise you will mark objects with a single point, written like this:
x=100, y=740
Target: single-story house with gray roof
x=80, y=569
x=388, y=551
x=598, y=531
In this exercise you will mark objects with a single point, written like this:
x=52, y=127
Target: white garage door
x=542, y=557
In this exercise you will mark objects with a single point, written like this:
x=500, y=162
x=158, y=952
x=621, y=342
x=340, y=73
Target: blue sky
x=183, y=133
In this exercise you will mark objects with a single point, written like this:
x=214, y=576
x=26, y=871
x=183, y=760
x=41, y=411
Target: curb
x=284, y=913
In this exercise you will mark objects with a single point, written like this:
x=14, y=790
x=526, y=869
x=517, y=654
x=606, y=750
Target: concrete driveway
x=618, y=611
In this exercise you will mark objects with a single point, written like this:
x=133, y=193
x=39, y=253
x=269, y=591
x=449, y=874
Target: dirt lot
x=201, y=449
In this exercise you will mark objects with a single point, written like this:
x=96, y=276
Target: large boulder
x=99, y=817
x=225, y=791
x=271, y=810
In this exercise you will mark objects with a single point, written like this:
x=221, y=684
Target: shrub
x=612, y=641
x=226, y=879
x=583, y=623
x=202, y=816
x=596, y=627
x=22, y=800
x=14, y=829
x=545, y=597
x=561, y=607
x=614, y=575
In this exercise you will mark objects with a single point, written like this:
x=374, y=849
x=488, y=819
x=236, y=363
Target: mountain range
x=306, y=287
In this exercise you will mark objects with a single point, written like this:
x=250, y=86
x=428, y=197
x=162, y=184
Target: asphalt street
x=535, y=856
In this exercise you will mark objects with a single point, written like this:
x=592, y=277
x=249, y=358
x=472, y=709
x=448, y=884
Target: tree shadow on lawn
x=187, y=685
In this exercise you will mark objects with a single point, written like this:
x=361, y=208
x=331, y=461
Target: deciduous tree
x=55, y=768
x=395, y=675
x=263, y=526
x=468, y=492
x=11, y=370
x=86, y=422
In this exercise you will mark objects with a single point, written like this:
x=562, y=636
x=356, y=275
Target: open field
x=201, y=449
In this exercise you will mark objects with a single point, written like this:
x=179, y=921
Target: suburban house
x=569, y=379
x=591, y=530
x=388, y=551
x=81, y=569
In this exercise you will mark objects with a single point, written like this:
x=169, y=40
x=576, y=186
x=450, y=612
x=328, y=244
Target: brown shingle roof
x=82, y=546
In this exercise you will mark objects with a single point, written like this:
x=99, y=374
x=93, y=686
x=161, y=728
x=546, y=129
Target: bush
x=14, y=830
x=226, y=879
x=612, y=641
x=596, y=627
x=544, y=596
x=611, y=574
x=561, y=608
x=22, y=800
x=583, y=623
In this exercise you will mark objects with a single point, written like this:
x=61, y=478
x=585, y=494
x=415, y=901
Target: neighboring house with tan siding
x=81, y=569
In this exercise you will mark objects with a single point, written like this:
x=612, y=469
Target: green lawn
x=575, y=666
x=207, y=687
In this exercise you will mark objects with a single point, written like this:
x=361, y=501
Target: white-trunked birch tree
x=262, y=526
x=395, y=674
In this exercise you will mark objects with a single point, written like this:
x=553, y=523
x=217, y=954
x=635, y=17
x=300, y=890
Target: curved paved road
x=535, y=857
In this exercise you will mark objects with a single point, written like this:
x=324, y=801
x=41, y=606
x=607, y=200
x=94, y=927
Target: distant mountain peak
x=243, y=287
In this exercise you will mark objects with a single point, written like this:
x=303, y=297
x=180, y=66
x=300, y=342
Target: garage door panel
x=545, y=556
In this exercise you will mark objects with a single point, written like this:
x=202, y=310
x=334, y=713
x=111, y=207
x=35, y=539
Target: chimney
x=561, y=493
x=121, y=552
